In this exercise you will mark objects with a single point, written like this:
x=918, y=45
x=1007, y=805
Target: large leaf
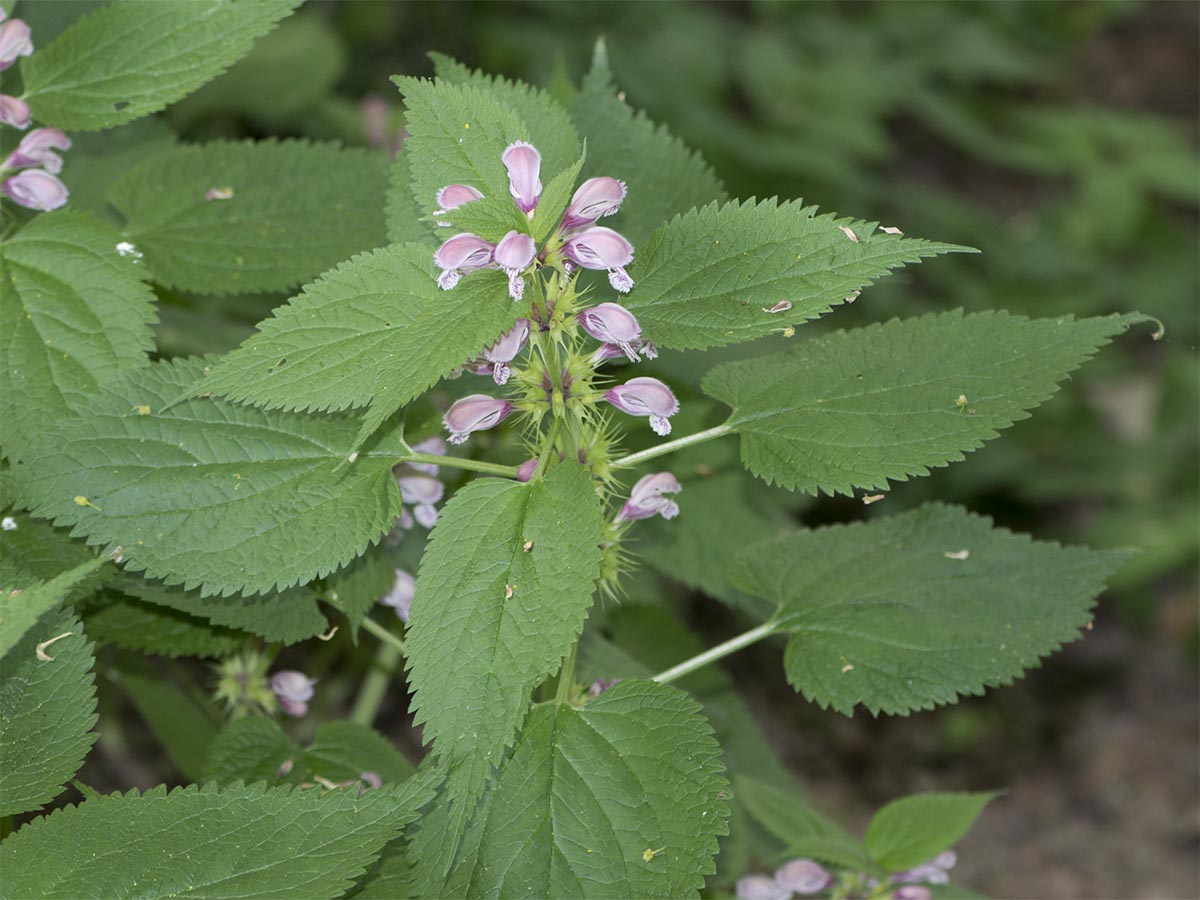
x=22, y=604
x=664, y=177
x=914, y=610
x=209, y=493
x=862, y=407
x=73, y=313
x=132, y=58
x=622, y=798
x=376, y=323
x=297, y=208
x=913, y=830
x=135, y=625
x=47, y=710
x=218, y=842
x=712, y=276
x=491, y=619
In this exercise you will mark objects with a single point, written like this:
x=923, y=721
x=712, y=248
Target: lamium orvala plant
x=531, y=374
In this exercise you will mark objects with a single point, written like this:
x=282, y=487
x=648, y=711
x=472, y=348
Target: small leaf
x=209, y=493
x=47, y=710
x=913, y=830
x=356, y=588
x=881, y=615
x=860, y=408
x=554, y=200
x=248, y=749
x=296, y=209
x=21, y=605
x=132, y=58
x=73, y=313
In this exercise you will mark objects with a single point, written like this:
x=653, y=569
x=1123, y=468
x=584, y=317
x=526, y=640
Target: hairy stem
x=459, y=462
x=699, y=437
x=711, y=655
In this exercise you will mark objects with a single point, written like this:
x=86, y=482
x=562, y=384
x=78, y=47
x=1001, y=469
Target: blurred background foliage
x=1060, y=139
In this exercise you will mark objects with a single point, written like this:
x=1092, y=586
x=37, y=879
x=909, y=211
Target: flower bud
x=645, y=397
x=524, y=166
x=293, y=690
x=513, y=254
x=477, y=412
x=462, y=253
x=526, y=469
x=35, y=189
x=505, y=350
x=760, y=887
x=803, y=876
x=37, y=149
x=595, y=199
x=14, y=112
x=646, y=499
x=14, y=42
x=613, y=324
x=400, y=597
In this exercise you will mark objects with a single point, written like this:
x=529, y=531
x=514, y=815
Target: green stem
x=566, y=676
x=699, y=437
x=711, y=655
x=459, y=462
x=375, y=685
x=383, y=634
x=547, y=448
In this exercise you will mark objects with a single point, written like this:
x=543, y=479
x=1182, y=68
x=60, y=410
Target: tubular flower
x=14, y=112
x=462, y=253
x=803, y=876
x=14, y=42
x=37, y=149
x=646, y=499
x=434, y=446
x=936, y=871
x=293, y=690
x=602, y=248
x=646, y=397
x=477, y=412
x=452, y=196
x=422, y=491
x=513, y=255
x=524, y=166
x=505, y=350
x=615, y=327
x=595, y=199
x=760, y=887
x=36, y=189
x=400, y=597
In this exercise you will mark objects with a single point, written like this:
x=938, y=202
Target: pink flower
x=452, y=196
x=462, y=253
x=434, y=446
x=513, y=254
x=14, y=42
x=646, y=397
x=505, y=350
x=602, y=248
x=293, y=690
x=803, y=876
x=421, y=491
x=526, y=469
x=36, y=189
x=477, y=412
x=646, y=499
x=400, y=597
x=37, y=149
x=760, y=887
x=614, y=325
x=14, y=112
x=524, y=166
x=595, y=199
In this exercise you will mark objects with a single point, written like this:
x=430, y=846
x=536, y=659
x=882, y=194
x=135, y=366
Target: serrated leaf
x=73, y=313
x=913, y=830
x=804, y=830
x=403, y=215
x=664, y=177
x=218, y=842
x=132, y=58
x=712, y=276
x=864, y=407
x=490, y=619
x=345, y=750
x=891, y=613
x=622, y=798
x=47, y=710
x=134, y=625
x=209, y=493
x=97, y=159
x=297, y=209
x=32, y=550
x=358, y=587
x=248, y=749
x=376, y=325
x=554, y=200
x=21, y=605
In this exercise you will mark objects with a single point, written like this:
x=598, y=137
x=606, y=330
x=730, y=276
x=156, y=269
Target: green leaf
x=132, y=58
x=248, y=749
x=73, y=313
x=860, y=408
x=21, y=605
x=47, y=710
x=209, y=493
x=358, y=587
x=664, y=177
x=403, y=215
x=554, y=200
x=622, y=798
x=376, y=326
x=135, y=625
x=891, y=613
x=475, y=653
x=712, y=276
x=344, y=750
x=297, y=209
x=913, y=830
x=33, y=550
x=804, y=830
x=99, y=158
x=216, y=842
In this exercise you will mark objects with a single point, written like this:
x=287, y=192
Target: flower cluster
x=806, y=878
x=36, y=184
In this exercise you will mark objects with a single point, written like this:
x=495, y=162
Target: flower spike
x=646, y=397
x=477, y=412
x=462, y=253
x=603, y=248
x=524, y=166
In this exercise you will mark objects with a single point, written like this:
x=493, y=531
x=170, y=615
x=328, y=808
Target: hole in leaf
x=120, y=105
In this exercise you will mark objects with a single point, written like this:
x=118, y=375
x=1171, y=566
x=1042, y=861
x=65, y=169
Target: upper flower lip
x=524, y=164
